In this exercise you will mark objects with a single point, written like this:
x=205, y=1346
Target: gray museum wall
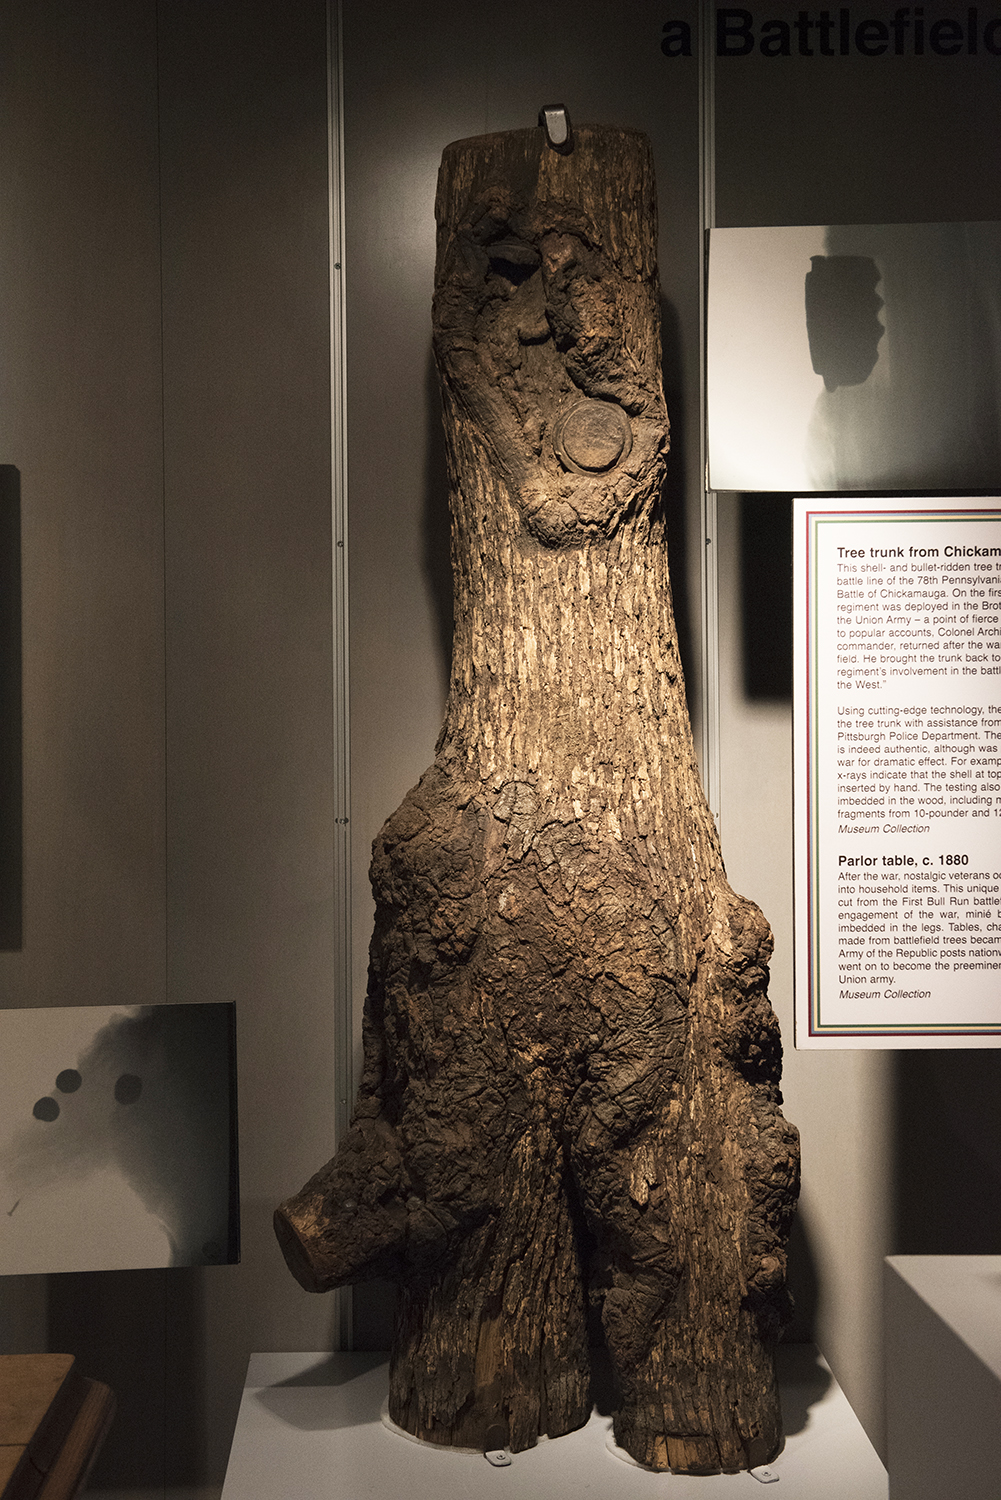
x=165, y=395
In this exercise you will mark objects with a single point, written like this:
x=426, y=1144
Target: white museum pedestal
x=310, y=1426
x=943, y=1376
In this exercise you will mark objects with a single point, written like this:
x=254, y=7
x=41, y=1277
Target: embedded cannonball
x=592, y=436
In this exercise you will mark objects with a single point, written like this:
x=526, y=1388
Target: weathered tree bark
x=571, y=1067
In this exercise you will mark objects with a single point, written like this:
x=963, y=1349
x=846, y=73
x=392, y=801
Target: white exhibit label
x=897, y=713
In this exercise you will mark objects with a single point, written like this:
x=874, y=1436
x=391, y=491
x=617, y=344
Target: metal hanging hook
x=555, y=121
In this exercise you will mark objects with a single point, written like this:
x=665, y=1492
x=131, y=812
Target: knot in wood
x=592, y=437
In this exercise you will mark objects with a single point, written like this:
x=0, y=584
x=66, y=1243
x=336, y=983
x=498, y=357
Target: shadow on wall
x=11, y=812
x=948, y=1152
x=842, y=318
x=766, y=596
x=804, y=1284
x=674, y=492
x=437, y=553
x=765, y=573
x=928, y=413
x=142, y=1332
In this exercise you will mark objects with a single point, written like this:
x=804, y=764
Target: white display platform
x=310, y=1427
x=943, y=1376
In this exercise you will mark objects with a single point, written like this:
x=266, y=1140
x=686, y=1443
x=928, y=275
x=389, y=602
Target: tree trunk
x=571, y=1066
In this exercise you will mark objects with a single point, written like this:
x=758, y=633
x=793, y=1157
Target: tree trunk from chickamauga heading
x=570, y=1092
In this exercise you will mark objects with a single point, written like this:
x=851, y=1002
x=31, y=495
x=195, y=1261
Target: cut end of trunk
x=708, y=1452
x=300, y=1257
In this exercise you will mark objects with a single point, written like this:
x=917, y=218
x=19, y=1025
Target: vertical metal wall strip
x=710, y=732
x=343, y=1038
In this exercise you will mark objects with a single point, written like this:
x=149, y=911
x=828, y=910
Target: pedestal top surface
x=310, y=1425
